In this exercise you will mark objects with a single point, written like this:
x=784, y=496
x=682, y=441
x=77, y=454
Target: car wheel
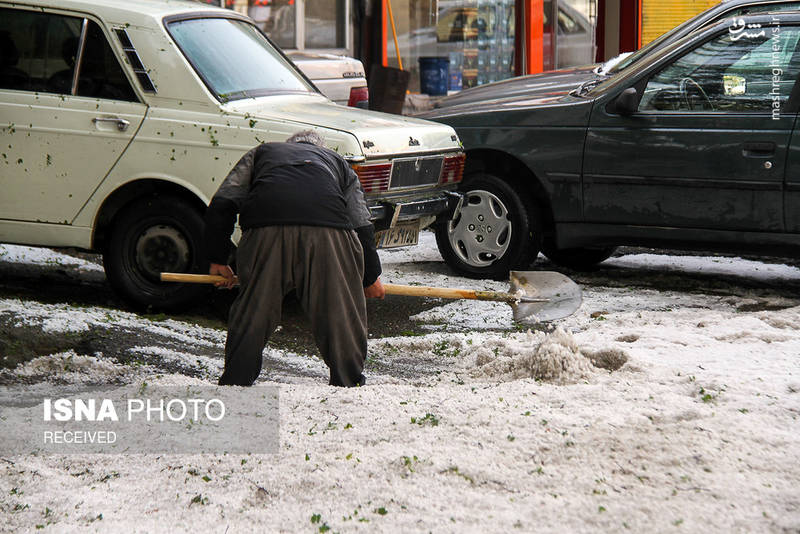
x=159, y=234
x=495, y=231
x=579, y=259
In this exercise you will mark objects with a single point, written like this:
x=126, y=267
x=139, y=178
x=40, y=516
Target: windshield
x=234, y=59
x=633, y=58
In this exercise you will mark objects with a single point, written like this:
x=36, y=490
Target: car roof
x=729, y=3
x=725, y=5
x=764, y=17
x=155, y=9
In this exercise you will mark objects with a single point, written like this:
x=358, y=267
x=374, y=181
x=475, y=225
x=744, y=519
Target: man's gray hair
x=307, y=136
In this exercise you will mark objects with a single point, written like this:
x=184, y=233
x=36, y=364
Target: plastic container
x=455, y=81
x=456, y=62
x=433, y=75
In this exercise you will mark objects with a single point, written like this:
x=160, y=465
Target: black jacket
x=290, y=184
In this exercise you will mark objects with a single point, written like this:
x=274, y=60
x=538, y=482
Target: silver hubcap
x=481, y=233
x=162, y=249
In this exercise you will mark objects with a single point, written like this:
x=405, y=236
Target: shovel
x=534, y=296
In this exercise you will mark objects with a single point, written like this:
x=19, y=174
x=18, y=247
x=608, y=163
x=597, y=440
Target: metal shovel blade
x=543, y=296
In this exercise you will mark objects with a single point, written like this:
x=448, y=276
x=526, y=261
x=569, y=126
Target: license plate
x=399, y=236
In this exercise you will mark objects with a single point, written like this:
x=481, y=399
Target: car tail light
x=374, y=178
x=359, y=97
x=452, y=169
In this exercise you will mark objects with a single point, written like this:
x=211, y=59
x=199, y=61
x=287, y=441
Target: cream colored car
x=119, y=120
x=340, y=78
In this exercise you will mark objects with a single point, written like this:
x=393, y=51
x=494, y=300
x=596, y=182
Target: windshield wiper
x=235, y=95
x=585, y=87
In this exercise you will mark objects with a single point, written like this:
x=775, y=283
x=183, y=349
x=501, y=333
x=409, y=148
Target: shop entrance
x=476, y=37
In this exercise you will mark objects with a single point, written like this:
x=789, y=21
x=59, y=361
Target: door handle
x=758, y=150
x=122, y=124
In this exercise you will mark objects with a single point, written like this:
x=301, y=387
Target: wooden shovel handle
x=194, y=278
x=447, y=293
x=391, y=289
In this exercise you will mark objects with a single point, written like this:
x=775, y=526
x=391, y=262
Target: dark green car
x=695, y=148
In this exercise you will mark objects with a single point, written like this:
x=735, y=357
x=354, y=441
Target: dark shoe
x=226, y=381
x=360, y=381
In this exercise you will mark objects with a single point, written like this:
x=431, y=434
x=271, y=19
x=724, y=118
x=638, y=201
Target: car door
x=60, y=133
x=791, y=204
x=708, y=145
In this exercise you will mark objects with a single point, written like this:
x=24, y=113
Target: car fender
x=552, y=156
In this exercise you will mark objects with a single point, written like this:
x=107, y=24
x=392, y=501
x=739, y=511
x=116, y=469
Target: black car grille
x=414, y=172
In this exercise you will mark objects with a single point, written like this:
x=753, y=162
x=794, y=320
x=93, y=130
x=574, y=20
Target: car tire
x=496, y=230
x=151, y=236
x=579, y=259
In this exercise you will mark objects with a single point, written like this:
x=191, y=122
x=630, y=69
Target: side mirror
x=627, y=102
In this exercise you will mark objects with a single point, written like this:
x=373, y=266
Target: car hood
x=551, y=83
x=564, y=110
x=377, y=134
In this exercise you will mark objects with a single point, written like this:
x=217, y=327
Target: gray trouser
x=325, y=267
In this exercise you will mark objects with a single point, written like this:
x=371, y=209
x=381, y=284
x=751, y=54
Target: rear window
x=234, y=59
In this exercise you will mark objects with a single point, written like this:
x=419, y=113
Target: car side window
x=101, y=75
x=37, y=50
x=745, y=71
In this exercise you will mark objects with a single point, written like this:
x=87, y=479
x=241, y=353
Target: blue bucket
x=433, y=75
